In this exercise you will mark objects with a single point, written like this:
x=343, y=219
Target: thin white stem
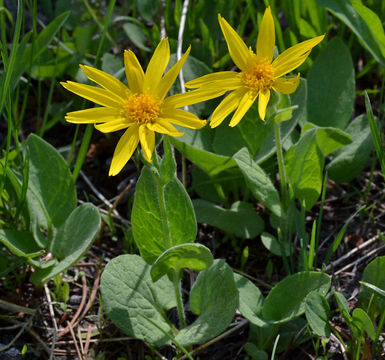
x=180, y=43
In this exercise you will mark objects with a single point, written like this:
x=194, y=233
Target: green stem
x=179, y=303
x=284, y=221
x=281, y=167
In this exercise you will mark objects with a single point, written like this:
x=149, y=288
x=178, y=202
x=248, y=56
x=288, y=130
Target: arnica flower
x=141, y=107
x=259, y=72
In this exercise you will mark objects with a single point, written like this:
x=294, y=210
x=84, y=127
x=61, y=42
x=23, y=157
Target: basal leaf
x=363, y=22
x=214, y=298
x=21, y=243
x=250, y=300
x=374, y=274
x=331, y=87
x=128, y=293
x=317, y=313
x=51, y=191
x=349, y=161
x=241, y=220
x=287, y=299
x=70, y=242
x=304, y=164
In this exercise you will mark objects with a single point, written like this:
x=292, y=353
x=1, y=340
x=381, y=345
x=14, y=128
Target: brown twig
x=80, y=355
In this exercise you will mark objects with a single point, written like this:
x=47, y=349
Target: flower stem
x=281, y=167
x=284, y=221
x=179, y=303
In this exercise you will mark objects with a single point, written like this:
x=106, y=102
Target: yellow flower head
x=259, y=72
x=141, y=107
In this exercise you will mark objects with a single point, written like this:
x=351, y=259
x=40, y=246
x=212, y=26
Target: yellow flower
x=259, y=72
x=142, y=107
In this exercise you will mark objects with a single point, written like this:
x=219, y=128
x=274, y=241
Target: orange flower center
x=259, y=76
x=142, y=109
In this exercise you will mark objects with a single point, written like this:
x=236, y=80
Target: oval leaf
x=162, y=216
x=317, y=313
x=193, y=256
x=214, y=298
x=130, y=298
x=287, y=299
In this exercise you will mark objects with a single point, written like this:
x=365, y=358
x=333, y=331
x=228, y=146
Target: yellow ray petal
x=170, y=77
x=163, y=126
x=107, y=81
x=112, y=126
x=92, y=93
x=192, y=97
x=134, y=72
x=209, y=78
x=147, y=141
x=226, y=107
x=286, y=85
x=183, y=118
x=238, y=50
x=244, y=105
x=263, y=100
x=294, y=56
x=93, y=115
x=266, y=37
x=156, y=66
x=124, y=150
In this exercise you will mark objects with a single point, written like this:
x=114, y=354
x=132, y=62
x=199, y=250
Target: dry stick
x=88, y=338
x=335, y=338
x=98, y=193
x=213, y=341
x=92, y=297
x=117, y=339
x=353, y=251
x=27, y=324
x=5, y=305
x=75, y=342
x=361, y=259
x=52, y=314
x=79, y=310
x=80, y=340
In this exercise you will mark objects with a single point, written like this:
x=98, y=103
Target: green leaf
x=21, y=243
x=40, y=44
x=197, y=147
x=51, y=191
x=71, y=241
x=342, y=303
x=287, y=299
x=304, y=164
x=363, y=22
x=75, y=236
x=157, y=213
x=128, y=292
x=317, y=313
x=168, y=165
x=331, y=86
x=193, y=256
x=351, y=160
x=255, y=353
x=329, y=139
x=214, y=297
x=250, y=300
x=373, y=274
x=136, y=34
x=147, y=8
x=271, y=243
x=241, y=220
x=258, y=182
x=362, y=320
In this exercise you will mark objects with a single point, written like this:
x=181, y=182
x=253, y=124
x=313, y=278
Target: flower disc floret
x=142, y=109
x=259, y=76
